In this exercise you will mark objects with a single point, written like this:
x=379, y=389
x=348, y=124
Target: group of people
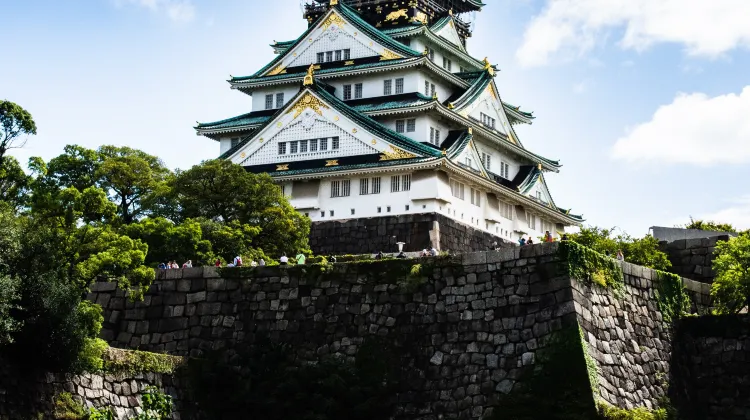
x=547, y=238
x=172, y=265
x=432, y=252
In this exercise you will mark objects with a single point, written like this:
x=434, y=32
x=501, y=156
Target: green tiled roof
x=476, y=89
x=351, y=16
x=459, y=145
x=382, y=103
x=251, y=118
x=339, y=168
x=325, y=71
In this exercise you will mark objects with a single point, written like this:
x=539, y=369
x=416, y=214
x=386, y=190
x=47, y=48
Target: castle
x=378, y=110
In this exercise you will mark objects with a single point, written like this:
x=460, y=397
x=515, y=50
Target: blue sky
x=646, y=103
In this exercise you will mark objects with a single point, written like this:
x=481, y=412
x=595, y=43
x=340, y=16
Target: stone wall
x=418, y=231
x=24, y=396
x=711, y=368
x=693, y=258
x=474, y=323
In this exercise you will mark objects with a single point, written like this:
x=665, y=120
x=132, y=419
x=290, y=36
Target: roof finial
x=334, y=2
x=488, y=67
x=450, y=12
x=451, y=106
x=539, y=166
x=426, y=50
x=434, y=95
x=309, y=78
x=471, y=130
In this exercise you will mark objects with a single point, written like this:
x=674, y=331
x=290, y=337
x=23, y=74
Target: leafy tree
x=130, y=176
x=232, y=238
x=14, y=183
x=731, y=287
x=77, y=167
x=642, y=251
x=14, y=123
x=222, y=191
x=169, y=241
x=710, y=225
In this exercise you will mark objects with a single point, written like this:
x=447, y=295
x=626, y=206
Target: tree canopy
x=642, y=251
x=710, y=225
x=731, y=287
x=15, y=122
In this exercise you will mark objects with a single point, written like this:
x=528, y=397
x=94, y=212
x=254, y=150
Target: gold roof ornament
x=451, y=106
x=309, y=80
x=539, y=166
x=394, y=154
x=282, y=167
x=471, y=130
x=444, y=152
x=334, y=2
x=450, y=12
x=426, y=50
x=488, y=67
x=434, y=95
x=334, y=162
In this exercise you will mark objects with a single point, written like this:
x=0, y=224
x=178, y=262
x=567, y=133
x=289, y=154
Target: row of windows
x=504, y=167
x=357, y=91
x=408, y=125
x=279, y=100
x=435, y=136
x=337, y=55
x=353, y=211
x=429, y=88
x=388, y=86
x=487, y=120
x=447, y=64
x=368, y=186
x=308, y=146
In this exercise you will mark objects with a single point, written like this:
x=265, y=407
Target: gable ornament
x=394, y=154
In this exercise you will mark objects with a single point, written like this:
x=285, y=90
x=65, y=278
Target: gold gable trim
x=334, y=19
x=282, y=167
x=389, y=55
x=308, y=101
x=394, y=154
x=334, y=162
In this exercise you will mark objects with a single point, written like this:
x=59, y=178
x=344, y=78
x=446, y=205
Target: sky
x=645, y=103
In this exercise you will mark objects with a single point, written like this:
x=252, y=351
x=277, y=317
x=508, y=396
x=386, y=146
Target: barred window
x=335, y=143
x=323, y=145
x=457, y=189
x=341, y=188
x=329, y=56
x=376, y=185
x=504, y=170
x=387, y=86
x=399, y=85
x=335, y=189
x=358, y=91
x=432, y=89
x=347, y=54
x=282, y=148
x=400, y=126
x=303, y=146
x=426, y=88
x=411, y=125
x=406, y=182
x=486, y=159
x=347, y=92
x=279, y=100
x=395, y=183
x=235, y=141
x=314, y=145
x=432, y=54
x=321, y=57
x=269, y=101
x=292, y=147
x=338, y=55
x=364, y=186
x=476, y=197
x=437, y=137
x=432, y=135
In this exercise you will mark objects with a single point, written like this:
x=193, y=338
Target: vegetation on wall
x=731, y=287
x=671, y=297
x=136, y=361
x=710, y=225
x=641, y=251
x=609, y=412
x=155, y=405
x=585, y=264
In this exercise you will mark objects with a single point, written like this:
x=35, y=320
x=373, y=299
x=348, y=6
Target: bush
x=731, y=287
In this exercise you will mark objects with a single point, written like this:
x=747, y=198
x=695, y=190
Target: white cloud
x=176, y=10
x=737, y=214
x=704, y=28
x=693, y=129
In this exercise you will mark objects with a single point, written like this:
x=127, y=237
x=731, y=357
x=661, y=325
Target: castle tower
x=379, y=111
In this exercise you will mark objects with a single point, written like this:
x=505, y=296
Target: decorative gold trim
x=280, y=69
x=451, y=106
x=242, y=155
x=334, y=2
x=420, y=17
x=282, y=167
x=261, y=140
x=388, y=55
x=334, y=162
x=471, y=130
x=349, y=63
x=354, y=131
x=444, y=152
x=395, y=154
x=393, y=16
x=493, y=92
x=334, y=19
x=307, y=101
x=308, y=81
x=336, y=118
x=488, y=67
x=278, y=124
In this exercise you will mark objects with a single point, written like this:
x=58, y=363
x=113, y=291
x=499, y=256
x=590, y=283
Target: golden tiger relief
x=396, y=15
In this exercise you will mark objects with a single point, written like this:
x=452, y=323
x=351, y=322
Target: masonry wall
x=417, y=231
x=711, y=368
x=24, y=396
x=693, y=258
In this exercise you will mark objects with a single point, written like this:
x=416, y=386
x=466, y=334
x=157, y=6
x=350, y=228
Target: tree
x=232, y=238
x=14, y=123
x=710, y=225
x=77, y=167
x=131, y=177
x=169, y=241
x=14, y=183
x=642, y=251
x=731, y=287
x=222, y=191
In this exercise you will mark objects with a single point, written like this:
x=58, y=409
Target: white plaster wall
x=419, y=44
x=372, y=84
x=427, y=121
x=224, y=145
x=496, y=156
x=259, y=95
x=443, y=89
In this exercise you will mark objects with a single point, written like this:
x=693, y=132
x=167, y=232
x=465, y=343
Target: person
x=522, y=241
x=401, y=255
x=530, y=241
x=162, y=266
x=237, y=262
x=424, y=253
x=284, y=260
x=218, y=262
x=253, y=263
x=332, y=258
x=300, y=259
x=175, y=266
x=187, y=264
x=565, y=237
x=620, y=255
x=262, y=262
x=548, y=237
x=379, y=255
x=433, y=252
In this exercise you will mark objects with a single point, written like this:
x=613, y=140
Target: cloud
x=177, y=10
x=704, y=28
x=737, y=214
x=693, y=129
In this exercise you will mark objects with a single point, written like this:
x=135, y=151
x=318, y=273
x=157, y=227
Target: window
x=331, y=213
x=303, y=146
x=411, y=125
x=321, y=57
x=323, y=145
x=487, y=120
x=282, y=148
x=457, y=189
x=395, y=183
x=376, y=185
x=314, y=145
x=531, y=220
x=335, y=143
x=437, y=137
x=504, y=172
x=322, y=214
x=388, y=209
x=431, y=53
x=432, y=135
x=426, y=88
x=329, y=56
x=380, y=210
x=486, y=160
x=406, y=182
x=432, y=89
x=469, y=163
x=506, y=210
x=338, y=58
x=340, y=188
x=234, y=142
x=293, y=147
x=447, y=64
x=400, y=126
x=407, y=207
x=364, y=186
x=387, y=87
x=279, y=100
x=358, y=91
x=352, y=212
x=269, y=101
x=347, y=54
x=399, y=85
x=347, y=92
x=476, y=197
